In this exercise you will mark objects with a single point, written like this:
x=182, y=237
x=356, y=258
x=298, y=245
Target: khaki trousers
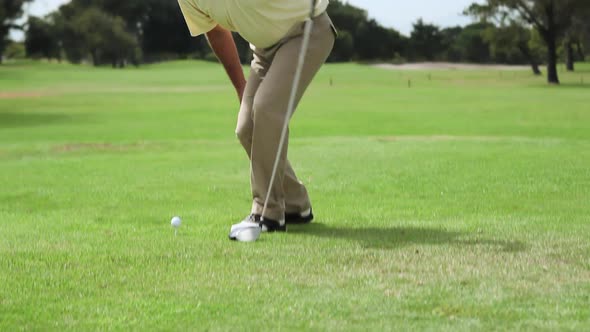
x=263, y=111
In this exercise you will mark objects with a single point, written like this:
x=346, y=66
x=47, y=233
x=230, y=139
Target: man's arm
x=223, y=45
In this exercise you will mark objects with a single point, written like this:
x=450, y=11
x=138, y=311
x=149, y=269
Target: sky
x=401, y=14
x=390, y=13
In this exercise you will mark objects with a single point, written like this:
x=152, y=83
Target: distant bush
x=15, y=51
x=210, y=57
x=398, y=59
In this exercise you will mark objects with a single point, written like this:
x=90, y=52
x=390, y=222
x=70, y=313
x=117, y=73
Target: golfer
x=274, y=29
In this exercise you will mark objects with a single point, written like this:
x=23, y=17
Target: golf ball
x=175, y=222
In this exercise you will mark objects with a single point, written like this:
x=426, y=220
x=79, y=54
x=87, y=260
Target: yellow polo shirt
x=261, y=22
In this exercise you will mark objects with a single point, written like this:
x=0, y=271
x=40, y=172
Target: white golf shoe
x=248, y=230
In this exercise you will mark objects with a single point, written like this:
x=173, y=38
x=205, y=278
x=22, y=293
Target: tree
x=41, y=39
x=347, y=17
x=10, y=10
x=85, y=32
x=361, y=38
x=374, y=42
x=584, y=46
x=157, y=25
x=426, y=41
x=15, y=50
x=551, y=18
x=69, y=37
x=343, y=47
x=105, y=38
x=472, y=45
x=513, y=43
x=163, y=32
x=574, y=39
x=452, y=50
x=584, y=42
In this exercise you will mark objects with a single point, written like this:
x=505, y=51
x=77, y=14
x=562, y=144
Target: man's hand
x=223, y=45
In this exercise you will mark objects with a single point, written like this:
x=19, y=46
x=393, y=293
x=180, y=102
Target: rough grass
x=460, y=203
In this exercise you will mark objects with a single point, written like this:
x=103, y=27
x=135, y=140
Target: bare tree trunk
x=550, y=36
x=569, y=53
x=524, y=49
x=580, y=48
x=536, y=70
x=2, y=46
x=94, y=55
x=552, y=76
x=4, y=30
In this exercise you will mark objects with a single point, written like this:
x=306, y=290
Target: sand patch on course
x=451, y=138
x=448, y=66
x=22, y=95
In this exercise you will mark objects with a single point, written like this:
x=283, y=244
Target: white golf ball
x=175, y=222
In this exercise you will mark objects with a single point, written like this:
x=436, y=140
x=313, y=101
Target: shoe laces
x=253, y=218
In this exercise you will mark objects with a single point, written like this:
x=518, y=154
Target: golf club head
x=245, y=232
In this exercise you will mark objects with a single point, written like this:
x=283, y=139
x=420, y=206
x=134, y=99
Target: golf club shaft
x=292, y=98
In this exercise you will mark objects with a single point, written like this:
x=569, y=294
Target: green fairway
x=459, y=203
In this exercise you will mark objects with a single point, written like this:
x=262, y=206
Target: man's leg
x=245, y=122
x=296, y=197
x=269, y=110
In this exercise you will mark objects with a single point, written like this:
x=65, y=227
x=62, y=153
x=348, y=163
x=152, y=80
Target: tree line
x=118, y=33
x=554, y=22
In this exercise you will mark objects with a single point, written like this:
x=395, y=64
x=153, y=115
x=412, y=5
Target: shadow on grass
x=569, y=83
x=577, y=85
x=395, y=237
x=17, y=120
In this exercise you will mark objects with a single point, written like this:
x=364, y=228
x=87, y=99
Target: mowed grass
x=461, y=203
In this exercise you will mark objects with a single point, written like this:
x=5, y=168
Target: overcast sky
x=401, y=14
x=391, y=13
